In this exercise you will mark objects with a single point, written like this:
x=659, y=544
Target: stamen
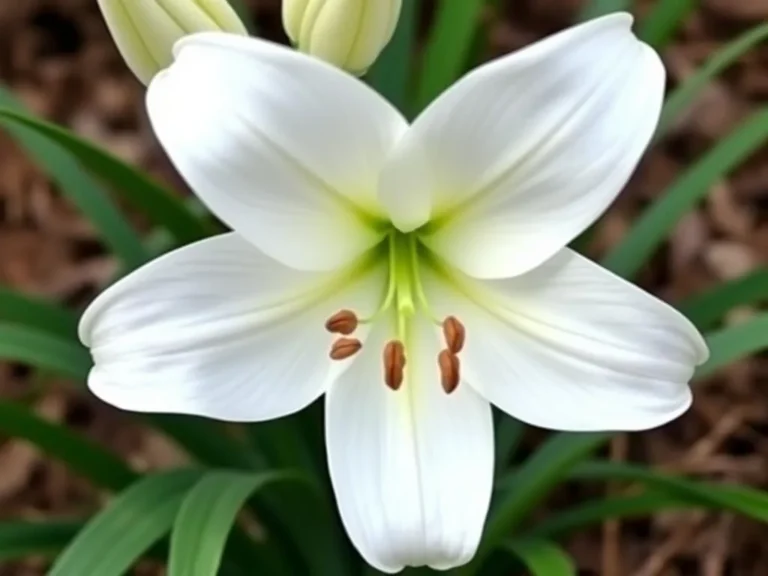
x=394, y=364
x=455, y=334
x=344, y=348
x=343, y=322
x=450, y=371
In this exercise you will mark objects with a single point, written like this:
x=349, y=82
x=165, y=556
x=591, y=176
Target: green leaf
x=740, y=499
x=448, y=47
x=598, y=511
x=118, y=535
x=682, y=196
x=522, y=490
x=43, y=350
x=21, y=539
x=208, y=441
x=79, y=188
x=707, y=309
x=735, y=342
x=244, y=13
x=664, y=20
x=390, y=75
x=206, y=517
x=682, y=98
x=509, y=433
x=81, y=455
x=596, y=8
x=159, y=204
x=542, y=558
x=37, y=313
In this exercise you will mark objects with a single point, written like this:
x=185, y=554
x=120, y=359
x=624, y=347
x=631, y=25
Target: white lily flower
x=436, y=253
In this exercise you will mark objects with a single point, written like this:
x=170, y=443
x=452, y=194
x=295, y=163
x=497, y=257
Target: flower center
x=402, y=300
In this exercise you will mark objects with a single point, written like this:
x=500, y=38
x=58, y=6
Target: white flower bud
x=146, y=30
x=348, y=33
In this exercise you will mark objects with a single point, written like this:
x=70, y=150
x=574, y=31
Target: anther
x=343, y=322
x=454, y=333
x=343, y=348
x=394, y=364
x=450, y=371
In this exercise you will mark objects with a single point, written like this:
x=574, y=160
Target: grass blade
x=90, y=460
x=664, y=20
x=542, y=558
x=206, y=517
x=43, y=350
x=682, y=98
x=740, y=499
x=79, y=188
x=735, y=342
x=598, y=511
x=707, y=309
x=596, y=8
x=158, y=203
x=659, y=220
x=21, y=539
x=391, y=74
x=116, y=537
x=37, y=313
x=448, y=47
x=509, y=433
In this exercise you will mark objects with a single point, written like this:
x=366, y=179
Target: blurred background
x=58, y=59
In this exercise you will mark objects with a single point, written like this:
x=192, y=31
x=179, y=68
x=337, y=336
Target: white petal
x=570, y=346
x=284, y=148
x=216, y=329
x=412, y=470
x=526, y=152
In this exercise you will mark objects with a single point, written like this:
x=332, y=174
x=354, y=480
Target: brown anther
x=343, y=322
x=394, y=364
x=450, y=371
x=343, y=348
x=454, y=333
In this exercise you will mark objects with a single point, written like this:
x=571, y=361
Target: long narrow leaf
x=735, y=342
x=79, y=188
x=509, y=433
x=118, y=536
x=159, y=204
x=206, y=518
x=391, y=73
x=36, y=313
x=740, y=499
x=448, y=47
x=659, y=220
x=43, y=350
x=664, y=20
x=597, y=8
x=598, y=511
x=708, y=308
x=685, y=95
x=542, y=558
x=21, y=539
x=85, y=457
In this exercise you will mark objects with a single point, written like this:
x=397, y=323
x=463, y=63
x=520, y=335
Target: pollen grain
x=454, y=333
x=343, y=322
x=450, y=371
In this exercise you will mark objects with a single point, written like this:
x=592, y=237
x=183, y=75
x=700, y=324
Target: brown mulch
x=58, y=58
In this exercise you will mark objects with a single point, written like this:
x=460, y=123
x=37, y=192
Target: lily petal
x=570, y=346
x=412, y=470
x=282, y=147
x=216, y=329
x=526, y=152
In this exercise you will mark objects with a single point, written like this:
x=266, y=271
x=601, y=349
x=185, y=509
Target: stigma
x=403, y=298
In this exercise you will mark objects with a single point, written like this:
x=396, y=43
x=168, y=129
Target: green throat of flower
x=403, y=299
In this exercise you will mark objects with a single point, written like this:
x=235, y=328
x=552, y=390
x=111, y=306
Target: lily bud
x=146, y=30
x=347, y=33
